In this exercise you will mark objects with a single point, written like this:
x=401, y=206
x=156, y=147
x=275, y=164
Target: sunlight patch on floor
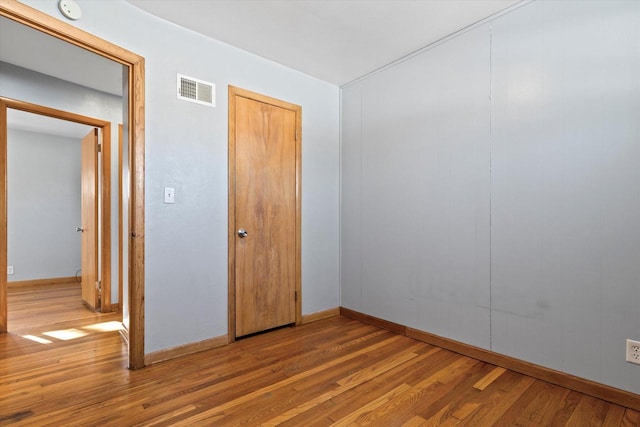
x=105, y=327
x=66, y=334
x=74, y=333
x=36, y=339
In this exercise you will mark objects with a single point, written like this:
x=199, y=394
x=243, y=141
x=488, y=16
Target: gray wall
x=25, y=85
x=44, y=207
x=186, y=148
x=490, y=188
x=415, y=207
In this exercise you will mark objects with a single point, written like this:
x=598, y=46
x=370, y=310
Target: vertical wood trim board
x=3, y=217
x=120, y=217
x=231, y=247
x=105, y=205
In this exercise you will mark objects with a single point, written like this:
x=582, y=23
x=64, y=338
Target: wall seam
x=440, y=41
x=340, y=197
x=361, y=198
x=490, y=186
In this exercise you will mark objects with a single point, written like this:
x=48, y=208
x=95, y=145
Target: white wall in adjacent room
x=43, y=208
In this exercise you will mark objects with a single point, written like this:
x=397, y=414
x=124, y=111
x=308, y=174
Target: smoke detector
x=70, y=9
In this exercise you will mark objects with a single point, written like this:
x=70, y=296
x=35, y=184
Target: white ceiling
x=33, y=50
x=334, y=40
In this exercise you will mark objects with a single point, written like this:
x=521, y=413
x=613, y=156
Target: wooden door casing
x=135, y=119
x=89, y=217
x=105, y=223
x=264, y=200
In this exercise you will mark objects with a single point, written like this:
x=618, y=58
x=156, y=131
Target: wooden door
x=265, y=234
x=89, y=215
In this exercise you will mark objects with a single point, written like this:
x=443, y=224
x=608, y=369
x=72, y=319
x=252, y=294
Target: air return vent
x=198, y=91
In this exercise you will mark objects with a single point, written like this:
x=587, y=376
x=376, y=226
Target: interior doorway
x=95, y=187
x=38, y=22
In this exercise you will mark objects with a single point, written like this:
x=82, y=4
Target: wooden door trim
x=91, y=238
x=105, y=177
x=40, y=21
x=120, y=218
x=233, y=92
x=105, y=206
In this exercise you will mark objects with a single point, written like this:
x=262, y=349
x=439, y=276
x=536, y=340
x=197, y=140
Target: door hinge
x=99, y=148
x=295, y=296
x=99, y=286
x=297, y=135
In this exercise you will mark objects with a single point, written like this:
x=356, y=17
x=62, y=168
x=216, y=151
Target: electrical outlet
x=10, y=269
x=633, y=352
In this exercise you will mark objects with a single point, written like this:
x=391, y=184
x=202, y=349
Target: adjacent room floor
x=63, y=365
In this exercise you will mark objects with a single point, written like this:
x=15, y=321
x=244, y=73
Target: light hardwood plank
x=336, y=371
x=486, y=381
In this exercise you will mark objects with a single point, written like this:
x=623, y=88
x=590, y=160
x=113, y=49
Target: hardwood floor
x=332, y=372
x=33, y=307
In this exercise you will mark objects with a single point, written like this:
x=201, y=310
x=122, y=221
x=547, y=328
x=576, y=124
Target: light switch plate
x=10, y=269
x=169, y=195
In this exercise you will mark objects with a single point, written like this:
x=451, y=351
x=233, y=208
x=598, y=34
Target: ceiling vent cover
x=195, y=90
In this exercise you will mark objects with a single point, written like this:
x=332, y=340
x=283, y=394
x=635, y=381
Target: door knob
x=79, y=229
x=242, y=233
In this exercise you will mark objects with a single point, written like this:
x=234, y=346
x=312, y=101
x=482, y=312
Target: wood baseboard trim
x=582, y=385
x=183, y=350
x=124, y=334
x=320, y=315
x=43, y=282
x=375, y=321
x=115, y=307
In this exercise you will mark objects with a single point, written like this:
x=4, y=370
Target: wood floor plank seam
x=352, y=355
x=348, y=357
x=425, y=389
x=350, y=382
x=337, y=371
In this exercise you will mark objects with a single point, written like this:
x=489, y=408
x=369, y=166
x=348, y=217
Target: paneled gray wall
x=44, y=208
x=490, y=188
x=415, y=213
x=566, y=180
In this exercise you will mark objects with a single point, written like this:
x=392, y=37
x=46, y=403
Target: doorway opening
x=134, y=112
x=45, y=173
